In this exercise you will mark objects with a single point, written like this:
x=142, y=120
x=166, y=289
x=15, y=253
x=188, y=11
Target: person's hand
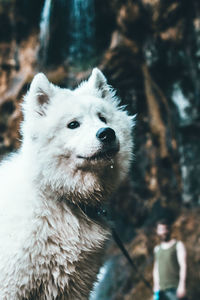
x=180, y=292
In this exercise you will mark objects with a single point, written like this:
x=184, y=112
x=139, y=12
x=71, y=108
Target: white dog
x=75, y=151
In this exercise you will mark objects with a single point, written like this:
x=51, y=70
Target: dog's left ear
x=40, y=91
x=38, y=97
x=99, y=82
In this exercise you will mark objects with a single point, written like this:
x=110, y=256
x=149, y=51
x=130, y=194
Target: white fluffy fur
x=48, y=250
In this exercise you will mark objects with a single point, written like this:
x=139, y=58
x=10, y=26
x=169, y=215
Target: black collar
x=98, y=213
x=95, y=213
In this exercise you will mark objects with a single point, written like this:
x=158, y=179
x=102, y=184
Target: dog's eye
x=102, y=118
x=73, y=125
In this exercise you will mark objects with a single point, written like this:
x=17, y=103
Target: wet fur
x=48, y=248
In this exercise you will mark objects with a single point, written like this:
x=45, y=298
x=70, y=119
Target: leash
x=120, y=244
x=100, y=213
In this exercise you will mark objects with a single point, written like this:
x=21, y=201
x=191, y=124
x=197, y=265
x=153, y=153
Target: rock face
x=149, y=51
x=18, y=50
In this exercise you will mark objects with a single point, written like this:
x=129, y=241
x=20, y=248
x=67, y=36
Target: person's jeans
x=169, y=294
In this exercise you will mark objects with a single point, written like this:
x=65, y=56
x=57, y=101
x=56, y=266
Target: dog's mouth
x=102, y=154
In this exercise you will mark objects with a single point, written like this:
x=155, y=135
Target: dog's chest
x=66, y=252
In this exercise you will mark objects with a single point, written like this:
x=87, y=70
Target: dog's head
x=80, y=141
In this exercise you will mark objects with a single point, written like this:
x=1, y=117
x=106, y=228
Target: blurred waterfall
x=82, y=29
x=182, y=103
x=45, y=31
x=101, y=287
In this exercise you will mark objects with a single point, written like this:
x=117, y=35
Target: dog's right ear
x=39, y=94
x=99, y=82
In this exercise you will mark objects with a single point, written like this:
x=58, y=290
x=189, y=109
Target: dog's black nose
x=106, y=135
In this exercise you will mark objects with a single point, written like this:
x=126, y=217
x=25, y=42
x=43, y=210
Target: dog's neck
x=89, y=206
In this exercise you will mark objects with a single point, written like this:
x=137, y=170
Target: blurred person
x=169, y=272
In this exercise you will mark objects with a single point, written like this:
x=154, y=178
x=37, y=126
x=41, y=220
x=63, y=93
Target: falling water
x=82, y=15
x=45, y=30
x=99, y=292
x=181, y=102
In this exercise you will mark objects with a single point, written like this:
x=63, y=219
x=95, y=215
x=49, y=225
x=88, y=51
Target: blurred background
x=149, y=50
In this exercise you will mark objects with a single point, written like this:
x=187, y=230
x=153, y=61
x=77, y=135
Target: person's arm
x=181, y=256
x=156, y=286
